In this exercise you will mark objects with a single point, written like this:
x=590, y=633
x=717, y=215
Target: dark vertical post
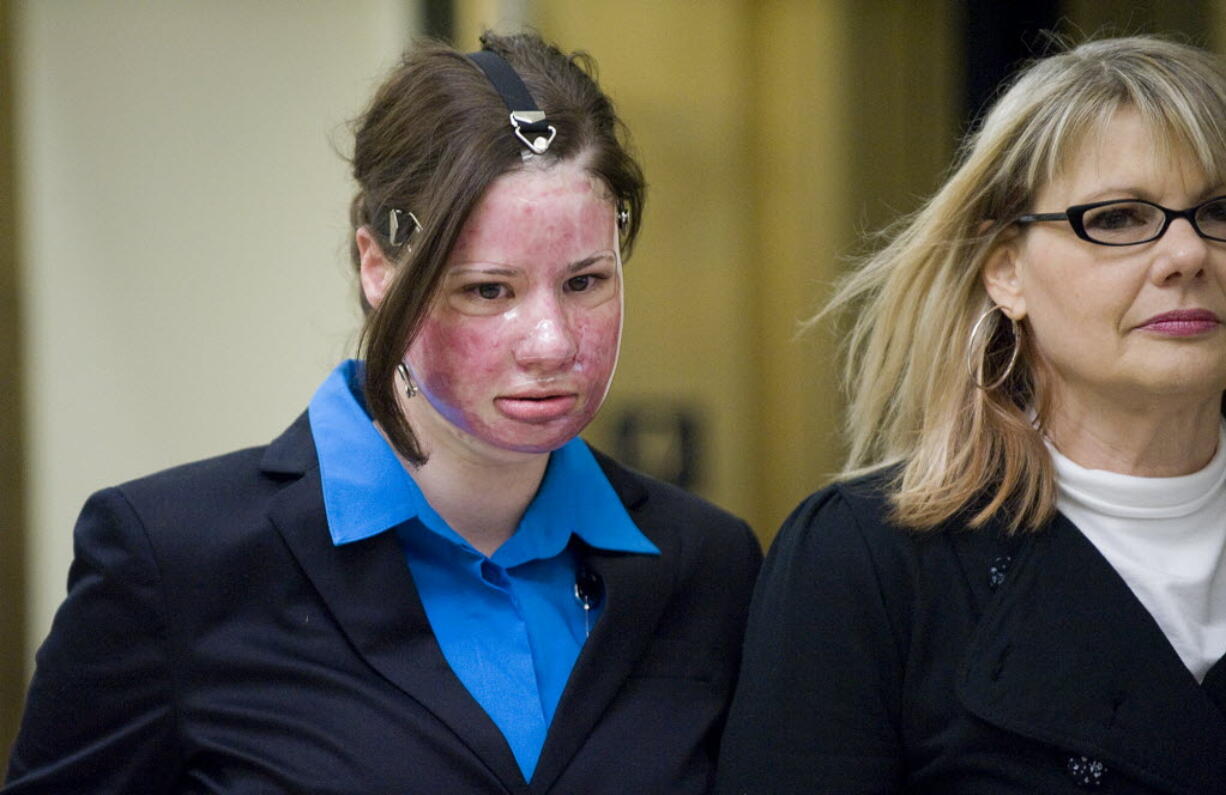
x=12, y=487
x=438, y=19
x=999, y=37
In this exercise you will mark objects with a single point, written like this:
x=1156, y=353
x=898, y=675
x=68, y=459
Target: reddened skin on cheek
x=465, y=365
x=452, y=360
x=519, y=352
x=598, y=335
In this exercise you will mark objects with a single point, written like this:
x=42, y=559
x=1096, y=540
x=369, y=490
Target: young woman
x=428, y=583
x=1019, y=583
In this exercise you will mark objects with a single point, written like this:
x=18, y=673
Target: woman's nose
x=1182, y=253
x=546, y=340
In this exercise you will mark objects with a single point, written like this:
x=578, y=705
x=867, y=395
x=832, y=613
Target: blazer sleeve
x=99, y=715
x=820, y=689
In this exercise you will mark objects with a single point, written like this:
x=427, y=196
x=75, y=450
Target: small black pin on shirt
x=589, y=593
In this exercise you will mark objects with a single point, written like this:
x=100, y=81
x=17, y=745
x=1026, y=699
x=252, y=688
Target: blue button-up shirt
x=510, y=626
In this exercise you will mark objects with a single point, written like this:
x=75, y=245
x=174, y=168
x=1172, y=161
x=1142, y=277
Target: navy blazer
x=215, y=640
x=880, y=660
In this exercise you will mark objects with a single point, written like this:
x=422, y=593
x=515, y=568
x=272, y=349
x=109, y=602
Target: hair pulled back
x=431, y=142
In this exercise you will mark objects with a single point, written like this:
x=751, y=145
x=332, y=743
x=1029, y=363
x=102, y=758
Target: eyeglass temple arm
x=1032, y=217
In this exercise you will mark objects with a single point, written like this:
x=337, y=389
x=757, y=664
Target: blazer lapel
x=1068, y=656
x=637, y=589
x=368, y=588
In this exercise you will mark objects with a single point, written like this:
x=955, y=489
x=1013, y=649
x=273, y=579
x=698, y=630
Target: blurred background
x=174, y=278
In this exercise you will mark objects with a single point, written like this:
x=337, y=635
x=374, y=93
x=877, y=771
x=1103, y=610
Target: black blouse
x=881, y=660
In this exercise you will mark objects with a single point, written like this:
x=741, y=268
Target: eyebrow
x=588, y=261
x=491, y=270
x=498, y=269
x=1113, y=193
x=1126, y=192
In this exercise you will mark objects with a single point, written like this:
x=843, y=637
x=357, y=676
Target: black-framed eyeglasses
x=1129, y=222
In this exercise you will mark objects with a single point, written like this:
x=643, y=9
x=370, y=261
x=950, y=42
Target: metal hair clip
x=394, y=225
x=533, y=121
x=527, y=119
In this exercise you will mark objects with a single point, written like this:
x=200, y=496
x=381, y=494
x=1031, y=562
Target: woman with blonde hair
x=1018, y=584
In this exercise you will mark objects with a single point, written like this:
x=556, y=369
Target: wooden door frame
x=12, y=463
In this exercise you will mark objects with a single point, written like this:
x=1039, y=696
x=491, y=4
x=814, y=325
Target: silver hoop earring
x=410, y=388
x=976, y=373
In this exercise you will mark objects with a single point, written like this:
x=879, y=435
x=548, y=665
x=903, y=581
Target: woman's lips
x=1182, y=323
x=536, y=408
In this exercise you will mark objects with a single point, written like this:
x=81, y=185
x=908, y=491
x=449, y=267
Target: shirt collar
x=575, y=498
x=367, y=490
x=365, y=487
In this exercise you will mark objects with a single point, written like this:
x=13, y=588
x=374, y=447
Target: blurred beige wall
x=184, y=263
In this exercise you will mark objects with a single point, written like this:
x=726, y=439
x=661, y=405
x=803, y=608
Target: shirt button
x=997, y=571
x=1086, y=772
x=493, y=573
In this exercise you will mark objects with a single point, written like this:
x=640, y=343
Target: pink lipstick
x=1182, y=323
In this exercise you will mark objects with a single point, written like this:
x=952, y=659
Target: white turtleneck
x=1167, y=539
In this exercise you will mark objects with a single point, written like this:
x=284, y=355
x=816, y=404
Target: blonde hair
x=960, y=449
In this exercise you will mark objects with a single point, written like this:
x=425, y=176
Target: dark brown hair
x=433, y=139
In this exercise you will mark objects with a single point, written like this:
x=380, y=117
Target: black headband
x=527, y=119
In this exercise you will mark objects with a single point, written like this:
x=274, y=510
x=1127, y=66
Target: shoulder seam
x=176, y=686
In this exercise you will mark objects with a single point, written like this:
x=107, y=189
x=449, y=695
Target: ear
x=374, y=271
x=1002, y=279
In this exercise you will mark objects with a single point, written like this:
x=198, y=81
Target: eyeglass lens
x=1134, y=222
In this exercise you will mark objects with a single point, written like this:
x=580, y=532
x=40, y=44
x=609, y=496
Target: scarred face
x=519, y=348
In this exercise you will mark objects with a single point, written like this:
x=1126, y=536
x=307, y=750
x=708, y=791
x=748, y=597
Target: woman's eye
x=1213, y=211
x=1120, y=217
x=489, y=291
x=587, y=282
